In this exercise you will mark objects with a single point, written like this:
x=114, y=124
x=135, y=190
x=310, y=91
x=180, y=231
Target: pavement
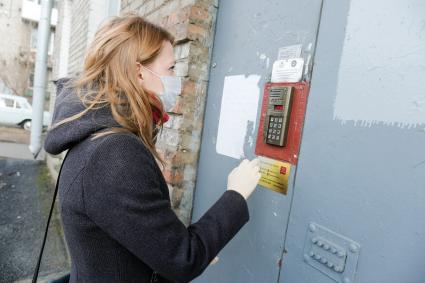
x=14, y=143
x=26, y=191
x=14, y=134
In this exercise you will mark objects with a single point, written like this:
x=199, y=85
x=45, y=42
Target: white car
x=16, y=110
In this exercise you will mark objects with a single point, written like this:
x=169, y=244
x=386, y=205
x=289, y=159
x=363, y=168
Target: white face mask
x=172, y=88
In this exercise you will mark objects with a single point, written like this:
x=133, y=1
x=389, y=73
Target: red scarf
x=157, y=113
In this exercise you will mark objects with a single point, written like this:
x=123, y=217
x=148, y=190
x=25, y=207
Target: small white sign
x=288, y=52
x=288, y=70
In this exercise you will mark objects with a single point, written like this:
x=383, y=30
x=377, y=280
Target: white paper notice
x=288, y=70
x=238, y=113
x=288, y=52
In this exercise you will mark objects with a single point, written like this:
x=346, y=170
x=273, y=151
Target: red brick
x=196, y=32
x=173, y=176
x=199, y=14
x=179, y=31
x=179, y=16
x=179, y=107
x=189, y=87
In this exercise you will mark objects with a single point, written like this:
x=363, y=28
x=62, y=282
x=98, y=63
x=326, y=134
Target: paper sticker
x=289, y=52
x=288, y=70
x=274, y=174
x=238, y=114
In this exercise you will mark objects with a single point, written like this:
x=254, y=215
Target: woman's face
x=162, y=65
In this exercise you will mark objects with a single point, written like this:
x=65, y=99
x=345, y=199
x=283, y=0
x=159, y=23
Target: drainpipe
x=43, y=37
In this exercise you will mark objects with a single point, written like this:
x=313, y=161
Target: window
x=8, y=102
x=22, y=104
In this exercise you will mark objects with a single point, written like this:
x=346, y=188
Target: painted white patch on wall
x=238, y=110
x=382, y=72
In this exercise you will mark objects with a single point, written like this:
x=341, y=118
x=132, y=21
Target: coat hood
x=67, y=135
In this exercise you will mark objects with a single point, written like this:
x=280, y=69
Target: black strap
x=34, y=278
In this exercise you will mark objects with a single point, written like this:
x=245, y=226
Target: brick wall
x=192, y=23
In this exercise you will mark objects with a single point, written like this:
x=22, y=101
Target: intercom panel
x=277, y=116
x=282, y=118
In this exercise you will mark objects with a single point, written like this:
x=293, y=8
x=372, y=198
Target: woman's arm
x=123, y=196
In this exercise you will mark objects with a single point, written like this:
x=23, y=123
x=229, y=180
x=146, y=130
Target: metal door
x=248, y=36
x=361, y=168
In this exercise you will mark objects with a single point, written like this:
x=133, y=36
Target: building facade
x=18, y=27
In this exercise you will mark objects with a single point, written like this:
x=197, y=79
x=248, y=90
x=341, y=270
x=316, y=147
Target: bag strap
x=34, y=279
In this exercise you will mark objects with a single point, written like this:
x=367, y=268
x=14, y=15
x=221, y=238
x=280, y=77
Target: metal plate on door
x=331, y=253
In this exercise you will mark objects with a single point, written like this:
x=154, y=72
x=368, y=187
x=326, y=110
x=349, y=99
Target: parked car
x=16, y=110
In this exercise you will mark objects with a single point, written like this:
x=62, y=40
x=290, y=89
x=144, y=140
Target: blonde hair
x=109, y=76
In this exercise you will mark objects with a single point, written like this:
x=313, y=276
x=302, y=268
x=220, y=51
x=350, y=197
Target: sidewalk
x=14, y=143
x=26, y=191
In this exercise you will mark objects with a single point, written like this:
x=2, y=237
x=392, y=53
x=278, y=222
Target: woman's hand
x=244, y=178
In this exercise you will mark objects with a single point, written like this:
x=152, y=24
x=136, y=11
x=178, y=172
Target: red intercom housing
x=288, y=148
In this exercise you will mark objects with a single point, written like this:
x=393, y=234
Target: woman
x=115, y=205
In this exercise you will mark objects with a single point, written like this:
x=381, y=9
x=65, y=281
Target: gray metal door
x=248, y=36
x=361, y=170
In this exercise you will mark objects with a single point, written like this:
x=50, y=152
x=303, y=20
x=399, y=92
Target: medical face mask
x=172, y=88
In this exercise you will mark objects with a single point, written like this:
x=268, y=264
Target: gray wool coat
x=115, y=206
